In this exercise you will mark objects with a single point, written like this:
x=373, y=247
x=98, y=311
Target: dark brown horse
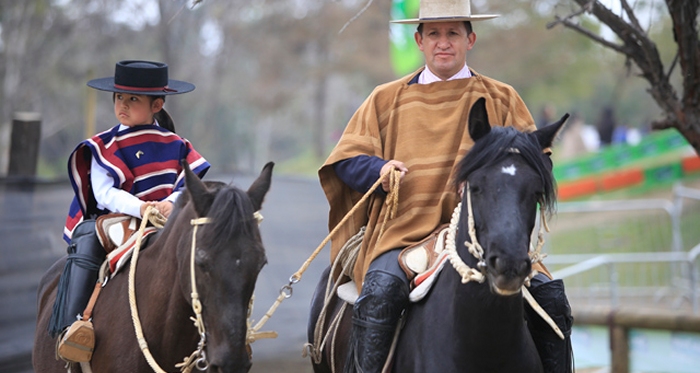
x=228, y=258
x=472, y=327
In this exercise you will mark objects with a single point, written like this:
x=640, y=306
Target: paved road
x=31, y=221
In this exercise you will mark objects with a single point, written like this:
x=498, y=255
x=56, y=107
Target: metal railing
x=580, y=263
x=646, y=276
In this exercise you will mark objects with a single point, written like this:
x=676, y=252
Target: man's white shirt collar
x=427, y=76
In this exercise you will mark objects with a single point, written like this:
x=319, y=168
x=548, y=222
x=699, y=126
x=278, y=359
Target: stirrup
x=77, y=343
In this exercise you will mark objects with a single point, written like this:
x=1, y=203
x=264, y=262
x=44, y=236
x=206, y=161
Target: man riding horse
x=417, y=125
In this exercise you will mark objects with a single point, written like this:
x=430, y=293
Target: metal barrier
x=625, y=276
x=610, y=262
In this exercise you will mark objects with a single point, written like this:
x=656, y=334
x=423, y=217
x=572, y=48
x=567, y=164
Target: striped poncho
x=142, y=160
x=424, y=126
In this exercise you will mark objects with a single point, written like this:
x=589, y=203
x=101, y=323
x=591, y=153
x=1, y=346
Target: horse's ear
x=478, y=120
x=546, y=135
x=260, y=186
x=201, y=197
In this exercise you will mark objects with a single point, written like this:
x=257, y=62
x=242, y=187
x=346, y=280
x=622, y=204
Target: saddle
x=421, y=262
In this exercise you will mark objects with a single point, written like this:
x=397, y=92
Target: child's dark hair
x=164, y=119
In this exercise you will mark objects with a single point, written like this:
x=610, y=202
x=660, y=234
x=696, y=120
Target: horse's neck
x=162, y=259
x=158, y=280
x=477, y=308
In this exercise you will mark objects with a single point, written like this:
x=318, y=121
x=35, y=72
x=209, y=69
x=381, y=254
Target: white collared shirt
x=427, y=76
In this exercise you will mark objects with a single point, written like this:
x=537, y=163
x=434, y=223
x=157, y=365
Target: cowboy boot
x=556, y=354
x=376, y=314
x=77, y=282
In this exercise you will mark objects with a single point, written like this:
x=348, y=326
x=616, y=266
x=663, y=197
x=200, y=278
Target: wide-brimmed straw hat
x=141, y=78
x=445, y=11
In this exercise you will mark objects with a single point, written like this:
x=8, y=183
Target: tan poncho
x=424, y=126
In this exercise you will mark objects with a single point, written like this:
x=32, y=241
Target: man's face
x=445, y=46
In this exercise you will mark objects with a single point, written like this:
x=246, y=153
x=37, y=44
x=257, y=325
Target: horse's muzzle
x=506, y=277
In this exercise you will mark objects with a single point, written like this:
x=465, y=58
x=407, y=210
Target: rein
x=198, y=357
x=286, y=291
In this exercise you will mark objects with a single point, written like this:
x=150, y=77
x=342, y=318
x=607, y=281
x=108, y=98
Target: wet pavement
x=31, y=223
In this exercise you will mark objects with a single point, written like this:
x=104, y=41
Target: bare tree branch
x=355, y=16
x=631, y=15
x=591, y=35
x=673, y=66
x=559, y=20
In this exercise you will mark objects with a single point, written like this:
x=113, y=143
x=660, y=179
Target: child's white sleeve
x=109, y=197
x=173, y=197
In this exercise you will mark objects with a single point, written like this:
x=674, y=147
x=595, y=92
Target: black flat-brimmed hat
x=141, y=78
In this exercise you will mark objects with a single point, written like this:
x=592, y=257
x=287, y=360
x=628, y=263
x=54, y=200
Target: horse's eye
x=201, y=258
x=474, y=189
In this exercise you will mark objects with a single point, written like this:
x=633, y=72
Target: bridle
x=199, y=355
x=198, y=358
x=478, y=275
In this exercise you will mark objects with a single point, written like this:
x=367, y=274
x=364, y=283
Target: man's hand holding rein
x=389, y=166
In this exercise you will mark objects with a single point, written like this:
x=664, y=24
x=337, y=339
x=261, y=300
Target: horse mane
x=231, y=214
x=495, y=146
x=231, y=211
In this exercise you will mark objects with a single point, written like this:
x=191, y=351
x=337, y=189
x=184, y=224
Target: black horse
x=473, y=327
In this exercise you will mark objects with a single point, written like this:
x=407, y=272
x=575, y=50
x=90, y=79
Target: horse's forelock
x=495, y=146
x=231, y=214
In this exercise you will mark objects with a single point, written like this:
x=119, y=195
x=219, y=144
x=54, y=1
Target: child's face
x=134, y=110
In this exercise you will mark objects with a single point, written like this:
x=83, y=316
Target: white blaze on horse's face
x=510, y=170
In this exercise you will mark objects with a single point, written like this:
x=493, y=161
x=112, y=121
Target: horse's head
x=229, y=255
x=506, y=174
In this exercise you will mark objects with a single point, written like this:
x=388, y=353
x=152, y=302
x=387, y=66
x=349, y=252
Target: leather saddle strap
x=91, y=303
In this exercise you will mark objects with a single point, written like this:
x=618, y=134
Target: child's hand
x=164, y=207
x=143, y=208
